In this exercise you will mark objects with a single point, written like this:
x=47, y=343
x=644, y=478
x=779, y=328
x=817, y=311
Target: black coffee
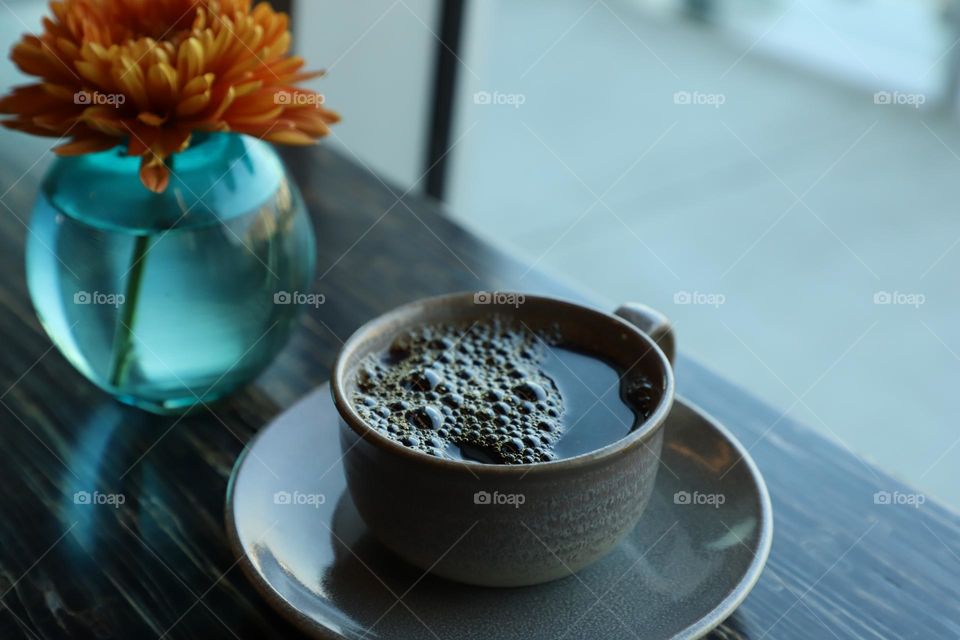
x=497, y=393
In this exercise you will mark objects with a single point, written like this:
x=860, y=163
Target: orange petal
x=154, y=174
x=86, y=145
x=162, y=83
x=190, y=58
x=193, y=104
x=292, y=136
x=260, y=117
x=151, y=119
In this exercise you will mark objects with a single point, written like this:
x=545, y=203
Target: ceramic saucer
x=698, y=549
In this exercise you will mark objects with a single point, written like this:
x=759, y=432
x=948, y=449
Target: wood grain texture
x=842, y=566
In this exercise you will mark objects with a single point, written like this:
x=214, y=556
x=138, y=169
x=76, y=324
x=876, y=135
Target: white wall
x=380, y=58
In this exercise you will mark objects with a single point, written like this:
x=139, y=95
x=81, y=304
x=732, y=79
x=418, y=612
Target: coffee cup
x=506, y=525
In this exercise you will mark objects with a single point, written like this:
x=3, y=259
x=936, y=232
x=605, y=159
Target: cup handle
x=653, y=323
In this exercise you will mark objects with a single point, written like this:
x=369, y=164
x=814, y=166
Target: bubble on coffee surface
x=474, y=392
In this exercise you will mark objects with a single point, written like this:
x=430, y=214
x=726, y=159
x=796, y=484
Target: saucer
x=696, y=553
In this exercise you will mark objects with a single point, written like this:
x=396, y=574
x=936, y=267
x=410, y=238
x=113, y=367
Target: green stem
x=123, y=339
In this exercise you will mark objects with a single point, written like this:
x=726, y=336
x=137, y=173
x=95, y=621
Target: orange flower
x=151, y=72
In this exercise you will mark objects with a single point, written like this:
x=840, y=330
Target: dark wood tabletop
x=842, y=566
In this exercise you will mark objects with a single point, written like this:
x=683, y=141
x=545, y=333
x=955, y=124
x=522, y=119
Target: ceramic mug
x=437, y=513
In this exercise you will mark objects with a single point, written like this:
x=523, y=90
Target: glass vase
x=169, y=301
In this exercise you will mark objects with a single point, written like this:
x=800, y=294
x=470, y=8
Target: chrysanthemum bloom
x=148, y=73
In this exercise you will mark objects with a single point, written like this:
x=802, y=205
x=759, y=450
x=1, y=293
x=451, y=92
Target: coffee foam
x=472, y=392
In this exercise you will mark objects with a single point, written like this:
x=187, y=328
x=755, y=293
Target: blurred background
x=777, y=176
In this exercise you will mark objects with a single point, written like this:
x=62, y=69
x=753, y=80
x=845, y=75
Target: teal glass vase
x=170, y=301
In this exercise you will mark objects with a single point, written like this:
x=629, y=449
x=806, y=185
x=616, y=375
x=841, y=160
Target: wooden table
x=841, y=566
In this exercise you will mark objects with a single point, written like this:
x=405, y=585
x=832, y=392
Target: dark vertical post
x=444, y=86
x=283, y=5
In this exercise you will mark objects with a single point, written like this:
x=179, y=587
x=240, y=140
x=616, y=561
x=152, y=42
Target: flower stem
x=123, y=340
